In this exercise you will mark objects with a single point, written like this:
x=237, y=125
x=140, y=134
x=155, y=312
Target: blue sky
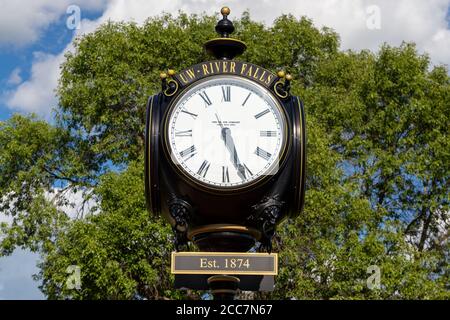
x=15, y=276
x=53, y=40
x=34, y=37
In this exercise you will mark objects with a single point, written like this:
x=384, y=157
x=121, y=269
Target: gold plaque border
x=227, y=272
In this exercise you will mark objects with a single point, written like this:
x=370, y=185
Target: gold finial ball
x=225, y=11
x=281, y=74
x=288, y=77
x=163, y=75
x=171, y=72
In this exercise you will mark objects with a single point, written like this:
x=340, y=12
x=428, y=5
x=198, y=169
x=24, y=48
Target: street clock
x=225, y=150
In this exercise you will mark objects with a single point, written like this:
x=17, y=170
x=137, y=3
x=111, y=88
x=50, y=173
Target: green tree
x=378, y=165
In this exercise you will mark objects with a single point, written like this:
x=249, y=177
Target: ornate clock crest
x=225, y=150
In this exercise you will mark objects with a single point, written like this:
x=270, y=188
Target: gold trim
x=149, y=137
x=172, y=262
x=302, y=150
x=223, y=278
x=226, y=39
x=176, y=88
x=217, y=189
x=222, y=272
x=223, y=228
x=221, y=253
x=223, y=291
x=225, y=11
x=276, y=90
x=255, y=273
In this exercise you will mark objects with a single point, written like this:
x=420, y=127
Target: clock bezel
x=225, y=189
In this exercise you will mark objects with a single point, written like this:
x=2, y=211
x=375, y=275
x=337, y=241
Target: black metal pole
x=223, y=287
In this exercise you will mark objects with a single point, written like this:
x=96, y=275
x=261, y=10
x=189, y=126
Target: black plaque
x=224, y=263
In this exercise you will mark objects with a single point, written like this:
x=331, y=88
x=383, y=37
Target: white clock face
x=226, y=132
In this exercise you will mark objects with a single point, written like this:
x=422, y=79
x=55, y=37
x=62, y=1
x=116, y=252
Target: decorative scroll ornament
x=180, y=210
x=282, y=88
x=265, y=217
x=168, y=85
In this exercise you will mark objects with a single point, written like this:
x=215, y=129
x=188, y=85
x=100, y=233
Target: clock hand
x=220, y=121
x=229, y=143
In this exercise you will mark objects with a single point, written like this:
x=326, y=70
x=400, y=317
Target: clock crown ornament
x=225, y=27
x=224, y=47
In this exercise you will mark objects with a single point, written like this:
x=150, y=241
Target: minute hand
x=229, y=143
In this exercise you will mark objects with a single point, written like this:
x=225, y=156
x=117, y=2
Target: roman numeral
x=183, y=133
x=259, y=115
x=188, y=153
x=205, y=98
x=245, y=101
x=193, y=115
x=267, y=133
x=247, y=169
x=263, y=153
x=203, y=168
x=226, y=92
x=225, y=175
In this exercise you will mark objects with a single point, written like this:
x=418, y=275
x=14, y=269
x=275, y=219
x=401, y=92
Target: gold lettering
x=203, y=263
x=262, y=76
x=191, y=73
x=183, y=78
x=233, y=67
x=205, y=69
x=269, y=79
x=243, y=67
x=249, y=72
x=217, y=65
x=255, y=75
x=225, y=67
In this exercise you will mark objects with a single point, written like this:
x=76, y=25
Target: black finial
x=225, y=27
x=225, y=48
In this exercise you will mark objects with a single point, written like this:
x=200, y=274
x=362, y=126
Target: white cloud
x=438, y=46
x=74, y=205
x=22, y=22
x=37, y=93
x=14, y=77
x=423, y=22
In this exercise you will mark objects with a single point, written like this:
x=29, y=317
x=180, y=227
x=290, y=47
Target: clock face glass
x=226, y=132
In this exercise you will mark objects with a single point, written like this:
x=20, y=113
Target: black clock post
x=226, y=211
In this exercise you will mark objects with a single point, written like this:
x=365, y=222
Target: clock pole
x=224, y=287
